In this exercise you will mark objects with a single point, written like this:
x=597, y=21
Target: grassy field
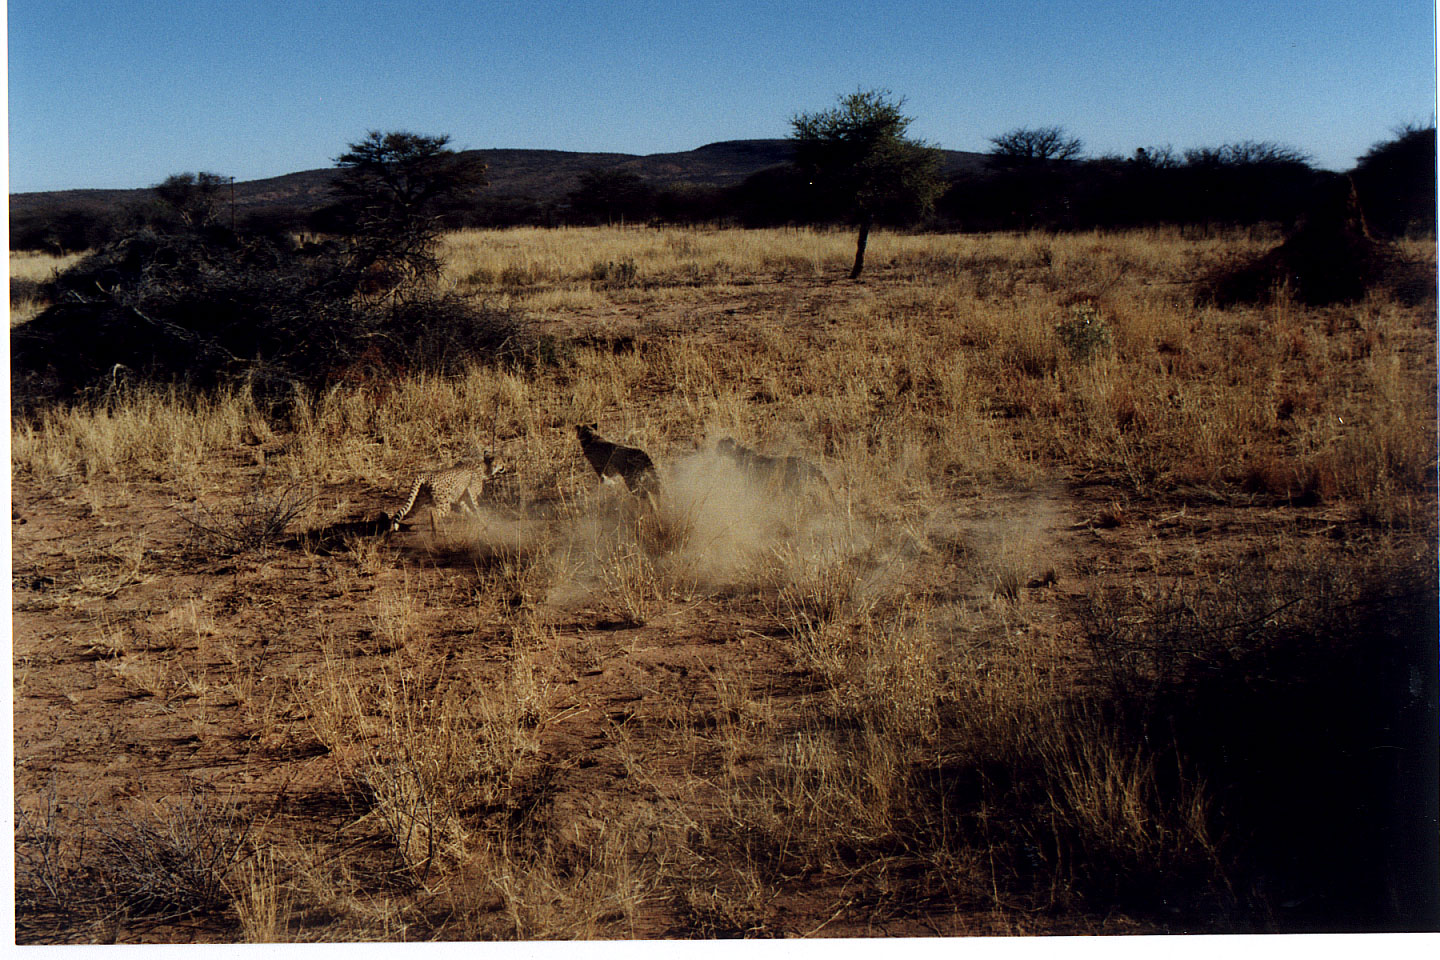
x=1116, y=613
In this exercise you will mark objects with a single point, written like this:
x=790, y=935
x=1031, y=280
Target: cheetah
x=446, y=489
x=791, y=473
x=611, y=460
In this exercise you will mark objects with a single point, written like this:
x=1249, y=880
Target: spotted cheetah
x=446, y=489
x=791, y=473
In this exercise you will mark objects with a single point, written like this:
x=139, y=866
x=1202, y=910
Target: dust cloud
x=716, y=528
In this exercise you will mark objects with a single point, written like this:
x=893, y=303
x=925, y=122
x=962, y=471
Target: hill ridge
x=515, y=172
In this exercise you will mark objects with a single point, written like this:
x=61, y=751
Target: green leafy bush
x=1083, y=331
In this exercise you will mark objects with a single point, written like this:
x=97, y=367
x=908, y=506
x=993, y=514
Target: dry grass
x=1079, y=535
x=28, y=270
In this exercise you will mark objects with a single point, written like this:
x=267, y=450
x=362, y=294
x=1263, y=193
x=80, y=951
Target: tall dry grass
x=934, y=745
x=29, y=270
x=939, y=376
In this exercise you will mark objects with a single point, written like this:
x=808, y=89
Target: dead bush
x=255, y=524
x=172, y=861
x=177, y=861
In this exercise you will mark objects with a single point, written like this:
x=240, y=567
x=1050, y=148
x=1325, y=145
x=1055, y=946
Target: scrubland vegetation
x=1117, y=615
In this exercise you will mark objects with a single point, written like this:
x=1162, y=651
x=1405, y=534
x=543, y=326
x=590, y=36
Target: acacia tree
x=1247, y=153
x=1036, y=181
x=394, y=189
x=605, y=196
x=857, y=157
x=193, y=198
x=1042, y=144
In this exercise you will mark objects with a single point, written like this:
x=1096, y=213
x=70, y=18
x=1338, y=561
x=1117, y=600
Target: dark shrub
x=210, y=308
x=64, y=230
x=1305, y=700
x=1331, y=258
x=1396, y=182
x=22, y=289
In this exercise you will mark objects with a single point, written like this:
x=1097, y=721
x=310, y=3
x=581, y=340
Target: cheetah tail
x=409, y=504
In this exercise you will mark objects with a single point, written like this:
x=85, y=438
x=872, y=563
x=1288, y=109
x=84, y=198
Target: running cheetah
x=446, y=489
x=611, y=460
x=792, y=473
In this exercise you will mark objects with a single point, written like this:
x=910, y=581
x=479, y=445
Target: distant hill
x=540, y=175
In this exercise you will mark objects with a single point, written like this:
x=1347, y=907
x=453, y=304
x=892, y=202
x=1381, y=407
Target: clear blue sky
x=121, y=93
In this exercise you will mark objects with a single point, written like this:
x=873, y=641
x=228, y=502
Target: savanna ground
x=1117, y=615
